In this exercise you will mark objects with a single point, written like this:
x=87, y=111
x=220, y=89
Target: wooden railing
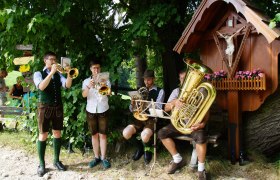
x=240, y=84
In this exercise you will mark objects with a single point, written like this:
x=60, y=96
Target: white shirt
x=38, y=78
x=96, y=103
x=174, y=95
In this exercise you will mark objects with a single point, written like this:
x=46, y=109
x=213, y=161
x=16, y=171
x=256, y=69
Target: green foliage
x=274, y=21
x=77, y=28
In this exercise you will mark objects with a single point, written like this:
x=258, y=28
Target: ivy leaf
x=277, y=17
x=10, y=23
x=272, y=24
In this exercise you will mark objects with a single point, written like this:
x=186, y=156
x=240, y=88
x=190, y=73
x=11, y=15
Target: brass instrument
x=104, y=89
x=73, y=72
x=101, y=83
x=197, y=98
x=144, y=94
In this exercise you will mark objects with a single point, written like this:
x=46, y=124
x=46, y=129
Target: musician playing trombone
x=50, y=109
x=167, y=133
x=145, y=127
x=97, y=113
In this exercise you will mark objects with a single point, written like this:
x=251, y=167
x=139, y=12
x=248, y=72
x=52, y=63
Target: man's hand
x=178, y=103
x=91, y=84
x=53, y=69
x=198, y=126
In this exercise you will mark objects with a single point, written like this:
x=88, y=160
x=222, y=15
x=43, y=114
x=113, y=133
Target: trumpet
x=73, y=72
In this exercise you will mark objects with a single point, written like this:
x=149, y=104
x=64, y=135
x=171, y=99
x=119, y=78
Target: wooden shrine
x=232, y=35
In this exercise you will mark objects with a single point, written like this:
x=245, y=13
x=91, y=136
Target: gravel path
x=19, y=165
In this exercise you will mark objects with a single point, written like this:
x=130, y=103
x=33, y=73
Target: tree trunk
x=262, y=127
x=141, y=65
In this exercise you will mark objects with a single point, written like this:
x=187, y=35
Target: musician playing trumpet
x=97, y=113
x=50, y=110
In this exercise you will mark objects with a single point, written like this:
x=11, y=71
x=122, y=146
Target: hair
x=3, y=70
x=49, y=53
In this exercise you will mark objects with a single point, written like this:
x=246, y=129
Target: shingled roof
x=210, y=12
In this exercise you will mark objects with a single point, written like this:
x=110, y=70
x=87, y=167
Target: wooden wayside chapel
x=233, y=35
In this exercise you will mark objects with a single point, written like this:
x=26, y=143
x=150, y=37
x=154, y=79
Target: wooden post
x=234, y=119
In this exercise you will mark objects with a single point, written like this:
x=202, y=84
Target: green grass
x=11, y=78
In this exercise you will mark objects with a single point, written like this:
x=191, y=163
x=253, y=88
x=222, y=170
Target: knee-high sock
x=56, y=149
x=41, y=148
x=148, y=146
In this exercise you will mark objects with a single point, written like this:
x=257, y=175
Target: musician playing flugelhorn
x=97, y=112
x=145, y=127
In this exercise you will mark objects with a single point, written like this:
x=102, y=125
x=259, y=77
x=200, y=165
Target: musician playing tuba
x=198, y=134
x=145, y=127
x=97, y=114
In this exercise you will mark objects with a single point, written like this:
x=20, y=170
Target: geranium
x=218, y=75
x=257, y=73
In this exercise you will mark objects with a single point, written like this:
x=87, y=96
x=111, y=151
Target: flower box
x=258, y=83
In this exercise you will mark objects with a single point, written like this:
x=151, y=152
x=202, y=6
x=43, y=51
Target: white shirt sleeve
x=37, y=78
x=173, y=95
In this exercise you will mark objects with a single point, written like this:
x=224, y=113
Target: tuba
x=197, y=98
x=73, y=72
x=144, y=94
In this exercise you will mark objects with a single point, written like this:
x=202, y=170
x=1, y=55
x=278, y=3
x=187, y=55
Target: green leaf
x=277, y=17
x=272, y=24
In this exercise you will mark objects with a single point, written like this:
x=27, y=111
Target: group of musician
x=50, y=114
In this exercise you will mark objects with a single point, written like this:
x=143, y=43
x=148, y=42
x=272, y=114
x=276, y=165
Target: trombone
x=73, y=72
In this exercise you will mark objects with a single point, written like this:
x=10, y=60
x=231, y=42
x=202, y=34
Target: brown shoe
x=202, y=175
x=173, y=167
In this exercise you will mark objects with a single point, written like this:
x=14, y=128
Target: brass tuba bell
x=197, y=98
x=73, y=72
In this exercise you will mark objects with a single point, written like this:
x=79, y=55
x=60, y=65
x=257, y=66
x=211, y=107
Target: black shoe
x=58, y=165
x=138, y=154
x=41, y=171
x=148, y=157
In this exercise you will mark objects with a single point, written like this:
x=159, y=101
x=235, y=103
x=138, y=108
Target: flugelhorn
x=101, y=83
x=104, y=89
x=73, y=72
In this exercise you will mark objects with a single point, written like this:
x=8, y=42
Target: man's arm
x=202, y=124
x=45, y=82
x=69, y=80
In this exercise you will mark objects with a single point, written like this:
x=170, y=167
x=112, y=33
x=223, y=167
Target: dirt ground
x=20, y=165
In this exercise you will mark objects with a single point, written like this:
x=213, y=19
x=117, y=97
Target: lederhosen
x=50, y=109
x=139, y=125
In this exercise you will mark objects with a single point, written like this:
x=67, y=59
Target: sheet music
x=134, y=94
x=65, y=62
x=151, y=109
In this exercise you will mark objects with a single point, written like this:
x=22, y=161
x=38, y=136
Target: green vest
x=52, y=93
x=153, y=94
